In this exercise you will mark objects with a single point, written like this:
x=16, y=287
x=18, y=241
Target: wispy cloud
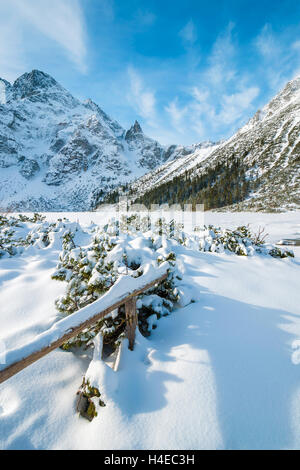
x=177, y=115
x=222, y=99
x=221, y=68
x=141, y=98
x=280, y=56
x=189, y=32
x=296, y=45
x=210, y=92
x=60, y=21
x=233, y=106
x=12, y=62
x=267, y=43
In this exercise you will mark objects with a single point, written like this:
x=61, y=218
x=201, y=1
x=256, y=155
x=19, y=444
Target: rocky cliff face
x=58, y=153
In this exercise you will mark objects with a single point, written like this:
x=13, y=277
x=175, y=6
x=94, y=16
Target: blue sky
x=187, y=70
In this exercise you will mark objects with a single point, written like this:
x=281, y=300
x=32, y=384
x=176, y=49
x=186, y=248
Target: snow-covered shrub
x=90, y=271
x=20, y=233
x=278, y=252
x=123, y=249
x=239, y=241
x=12, y=235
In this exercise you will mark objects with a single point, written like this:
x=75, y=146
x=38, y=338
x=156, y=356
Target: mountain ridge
x=59, y=153
x=258, y=168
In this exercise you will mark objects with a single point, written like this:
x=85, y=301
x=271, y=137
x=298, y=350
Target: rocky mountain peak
x=91, y=105
x=291, y=91
x=39, y=87
x=288, y=95
x=134, y=132
x=33, y=83
x=61, y=153
x=136, y=128
x=293, y=85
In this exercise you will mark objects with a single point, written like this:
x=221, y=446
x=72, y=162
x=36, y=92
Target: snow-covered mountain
x=57, y=152
x=186, y=160
x=264, y=156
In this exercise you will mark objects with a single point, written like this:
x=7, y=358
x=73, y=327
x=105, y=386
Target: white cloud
x=61, y=21
x=222, y=100
x=189, y=32
x=57, y=20
x=267, y=44
x=221, y=67
x=218, y=112
x=176, y=114
x=141, y=98
x=234, y=106
x=296, y=45
x=280, y=56
x=12, y=62
x=200, y=95
x=218, y=96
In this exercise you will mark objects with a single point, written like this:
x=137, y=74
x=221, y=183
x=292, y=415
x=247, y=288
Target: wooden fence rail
x=71, y=326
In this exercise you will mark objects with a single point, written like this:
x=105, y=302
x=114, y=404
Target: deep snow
x=223, y=372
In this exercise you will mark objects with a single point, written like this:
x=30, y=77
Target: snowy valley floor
x=221, y=373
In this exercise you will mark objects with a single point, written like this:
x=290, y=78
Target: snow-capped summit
x=288, y=96
x=57, y=152
x=33, y=83
x=38, y=86
x=291, y=91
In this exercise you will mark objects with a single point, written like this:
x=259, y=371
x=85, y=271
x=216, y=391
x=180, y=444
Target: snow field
x=222, y=372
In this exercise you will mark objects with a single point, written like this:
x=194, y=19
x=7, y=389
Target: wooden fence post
x=131, y=321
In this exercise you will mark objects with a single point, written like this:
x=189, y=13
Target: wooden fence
x=33, y=351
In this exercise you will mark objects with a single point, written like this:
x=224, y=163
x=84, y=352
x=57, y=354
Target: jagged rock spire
x=134, y=131
x=137, y=128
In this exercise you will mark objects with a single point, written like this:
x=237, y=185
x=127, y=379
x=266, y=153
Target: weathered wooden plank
x=131, y=321
x=24, y=362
